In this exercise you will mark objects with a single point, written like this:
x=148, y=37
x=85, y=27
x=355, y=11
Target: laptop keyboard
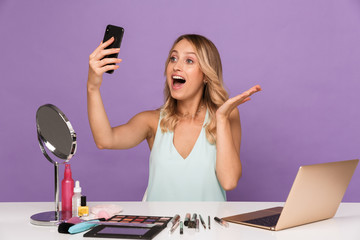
x=268, y=221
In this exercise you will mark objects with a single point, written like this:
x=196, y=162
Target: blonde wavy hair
x=214, y=92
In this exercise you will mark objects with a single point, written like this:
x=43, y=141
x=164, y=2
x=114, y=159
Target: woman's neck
x=189, y=110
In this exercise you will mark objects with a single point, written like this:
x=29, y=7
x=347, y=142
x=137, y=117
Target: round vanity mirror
x=56, y=135
x=55, y=132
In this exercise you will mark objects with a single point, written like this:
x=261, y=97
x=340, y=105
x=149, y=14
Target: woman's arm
x=228, y=138
x=105, y=136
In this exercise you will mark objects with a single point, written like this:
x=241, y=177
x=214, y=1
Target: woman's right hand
x=98, y=64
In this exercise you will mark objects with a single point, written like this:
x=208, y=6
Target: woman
x=194, y=138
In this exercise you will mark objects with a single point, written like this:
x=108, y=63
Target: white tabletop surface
x=15, y=221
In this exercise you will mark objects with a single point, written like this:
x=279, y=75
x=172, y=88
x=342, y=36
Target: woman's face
x=183, y=74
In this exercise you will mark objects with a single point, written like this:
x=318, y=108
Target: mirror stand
x=56, y=133
x=50, y=218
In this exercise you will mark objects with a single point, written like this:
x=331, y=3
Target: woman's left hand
x=225, y=110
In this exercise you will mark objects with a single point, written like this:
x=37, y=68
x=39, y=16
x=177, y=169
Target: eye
x=190, y=61
x=173, y=59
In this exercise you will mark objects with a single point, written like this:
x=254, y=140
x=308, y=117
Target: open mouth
x=178, y=81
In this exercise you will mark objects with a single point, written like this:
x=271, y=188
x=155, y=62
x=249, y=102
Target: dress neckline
x=196, y=142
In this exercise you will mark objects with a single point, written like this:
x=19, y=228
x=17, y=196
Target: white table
x=15, y=221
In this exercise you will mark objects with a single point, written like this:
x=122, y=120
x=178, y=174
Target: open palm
x=231, y=103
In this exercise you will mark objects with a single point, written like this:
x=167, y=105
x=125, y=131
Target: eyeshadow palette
x=130, y=226
x=161, y=221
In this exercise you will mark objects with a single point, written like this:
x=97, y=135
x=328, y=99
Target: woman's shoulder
x=150, y=116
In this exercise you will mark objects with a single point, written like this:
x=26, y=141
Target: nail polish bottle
x=83, y=209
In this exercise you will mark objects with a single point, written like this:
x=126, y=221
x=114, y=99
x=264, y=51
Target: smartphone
x=117, y=33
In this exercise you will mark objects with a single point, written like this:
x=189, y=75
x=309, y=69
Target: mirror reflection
x=55, y=132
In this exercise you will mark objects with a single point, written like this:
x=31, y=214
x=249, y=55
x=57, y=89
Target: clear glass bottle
x=76, y=199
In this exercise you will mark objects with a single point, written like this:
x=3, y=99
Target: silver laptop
x=315, y=195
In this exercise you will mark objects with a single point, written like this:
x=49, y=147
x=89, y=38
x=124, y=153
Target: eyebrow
x=185, y=52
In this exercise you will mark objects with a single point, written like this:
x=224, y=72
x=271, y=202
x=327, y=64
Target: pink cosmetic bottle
x=67, y=191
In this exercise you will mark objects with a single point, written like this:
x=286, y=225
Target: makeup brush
x=84, y=226
x=64, y=227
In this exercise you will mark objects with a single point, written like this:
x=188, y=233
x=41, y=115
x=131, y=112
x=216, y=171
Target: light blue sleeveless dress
x=173, y=178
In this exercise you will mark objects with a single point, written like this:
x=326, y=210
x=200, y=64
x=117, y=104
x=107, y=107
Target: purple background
x=304, y=54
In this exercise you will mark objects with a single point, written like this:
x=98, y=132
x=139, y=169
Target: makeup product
x=175, y=219
x=128, y=232
x=64, y=227
x=187, y=219
x=67, y=190
x=197, y=225
x=74, y=220
x=221, y=222
x=157, y=220
x=181, y=227
x=202, y=221
x=76, y=199
x=209, y=221
x=174, y=227
x=192, y=222
x=130, y=226
x=105, y=210
x=84, y=226
x=83, y=209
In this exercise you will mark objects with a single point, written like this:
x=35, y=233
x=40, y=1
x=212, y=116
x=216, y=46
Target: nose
x=177, y=66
